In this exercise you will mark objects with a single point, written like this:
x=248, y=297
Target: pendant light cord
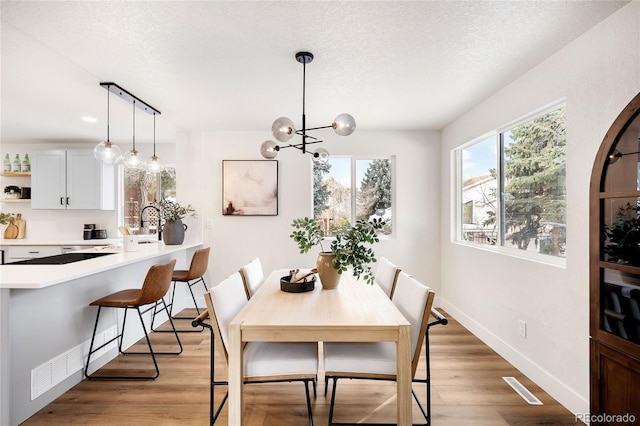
x=108, y=108
x=134, y=125
x=154, y=134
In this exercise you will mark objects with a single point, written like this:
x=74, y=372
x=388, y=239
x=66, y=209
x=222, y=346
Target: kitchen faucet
x=159, y=219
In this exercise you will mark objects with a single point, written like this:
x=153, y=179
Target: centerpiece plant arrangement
x=350, y=248
x=173, y=228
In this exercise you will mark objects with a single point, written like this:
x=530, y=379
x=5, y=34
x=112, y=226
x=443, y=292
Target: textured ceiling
x=229, y=65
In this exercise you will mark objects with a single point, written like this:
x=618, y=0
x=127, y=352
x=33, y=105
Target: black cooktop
x=60, y=259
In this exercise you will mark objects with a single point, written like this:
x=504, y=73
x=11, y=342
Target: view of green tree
x=375, y=191
x=534, y=176
x=320, y=192
x=333, y=196
x=490, y=200
x=168, y=183
x=141, y=189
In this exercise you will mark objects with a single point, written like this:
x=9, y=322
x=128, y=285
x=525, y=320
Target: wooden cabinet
x=71, y=179
x=614, y=274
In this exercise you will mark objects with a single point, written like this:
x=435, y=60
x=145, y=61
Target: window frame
x=121, y=191
x=353, y=201
x=457, y=210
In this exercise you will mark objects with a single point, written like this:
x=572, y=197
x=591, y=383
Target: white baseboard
x=566, y=396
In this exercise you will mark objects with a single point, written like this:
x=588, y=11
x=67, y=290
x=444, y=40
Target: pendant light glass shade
x=154, y=165
x=106, y=152
x=269, y=150
x=344, y=125
x=321, y=156
x=130, y=158
x=614, y=156
x=283, y=129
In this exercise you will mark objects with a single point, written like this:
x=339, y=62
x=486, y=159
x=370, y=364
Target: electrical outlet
x=209, y=223
x=522, y=329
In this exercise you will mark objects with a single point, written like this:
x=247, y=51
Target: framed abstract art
x=250, y=187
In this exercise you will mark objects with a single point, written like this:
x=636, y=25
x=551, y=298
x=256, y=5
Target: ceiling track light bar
x=129, y=97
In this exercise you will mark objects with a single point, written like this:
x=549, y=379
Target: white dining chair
x=262, y=361
x=377, y=360
x=386, y=276
x=252, y=276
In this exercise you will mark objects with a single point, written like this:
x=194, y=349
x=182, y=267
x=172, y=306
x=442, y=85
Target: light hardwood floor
x=467, y=389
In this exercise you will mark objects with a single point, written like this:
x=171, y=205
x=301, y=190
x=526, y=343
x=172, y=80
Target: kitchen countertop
x=41, y=276
x=49, y=242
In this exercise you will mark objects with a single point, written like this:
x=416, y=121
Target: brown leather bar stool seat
x=192, y=276
x=155, y=286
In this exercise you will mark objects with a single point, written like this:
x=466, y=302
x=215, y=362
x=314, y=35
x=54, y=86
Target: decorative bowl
x=289, y=287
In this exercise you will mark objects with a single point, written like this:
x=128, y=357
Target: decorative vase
x=173, y=232
x=329, y=276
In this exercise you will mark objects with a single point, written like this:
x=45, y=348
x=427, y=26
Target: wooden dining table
x=353, y=312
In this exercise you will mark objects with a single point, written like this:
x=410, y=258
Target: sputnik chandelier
x=109, y=153
x=283, y=128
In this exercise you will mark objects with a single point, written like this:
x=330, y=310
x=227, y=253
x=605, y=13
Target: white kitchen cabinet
x=17, y=253
x=71, y=179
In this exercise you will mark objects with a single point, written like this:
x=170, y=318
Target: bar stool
x=155, y=286
x=193, y=276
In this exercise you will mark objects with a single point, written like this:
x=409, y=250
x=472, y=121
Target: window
x=512, y=186
x=347, y=189
x=141, y=189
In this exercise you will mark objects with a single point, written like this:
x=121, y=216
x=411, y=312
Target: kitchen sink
x=60, y=259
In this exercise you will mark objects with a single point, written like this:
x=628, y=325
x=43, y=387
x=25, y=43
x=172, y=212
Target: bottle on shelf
x=6, y=164
x=26, y=164
x=17, y=166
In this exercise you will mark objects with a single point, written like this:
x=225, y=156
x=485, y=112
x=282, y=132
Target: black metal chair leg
x=333, y=400
x=195, y=304
x=173, y=329
x=93, y=337
x=309, y=411
x=121, y=337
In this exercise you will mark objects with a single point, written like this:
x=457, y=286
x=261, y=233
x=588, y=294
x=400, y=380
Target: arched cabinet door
x=614, y=269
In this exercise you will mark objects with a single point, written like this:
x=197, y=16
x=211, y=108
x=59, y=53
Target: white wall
x=235, y=240
x=598, y=74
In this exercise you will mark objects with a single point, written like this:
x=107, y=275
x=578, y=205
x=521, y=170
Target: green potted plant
x=624, y=236
x=5, y=218
x=12, y=191
x=173, y=228
x=350, y=248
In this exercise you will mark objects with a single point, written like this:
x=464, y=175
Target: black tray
x=288, y=287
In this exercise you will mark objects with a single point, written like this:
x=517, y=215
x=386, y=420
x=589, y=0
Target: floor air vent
x=522, y=391
x=58, y=369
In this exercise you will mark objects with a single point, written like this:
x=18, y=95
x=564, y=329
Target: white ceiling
x=229, y=65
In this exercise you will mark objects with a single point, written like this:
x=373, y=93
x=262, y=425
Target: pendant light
x=154, y=166
x=131, y=159
x=107, y=152
x=284, y=129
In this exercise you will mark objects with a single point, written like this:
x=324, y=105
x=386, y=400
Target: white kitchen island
x=46, y=321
